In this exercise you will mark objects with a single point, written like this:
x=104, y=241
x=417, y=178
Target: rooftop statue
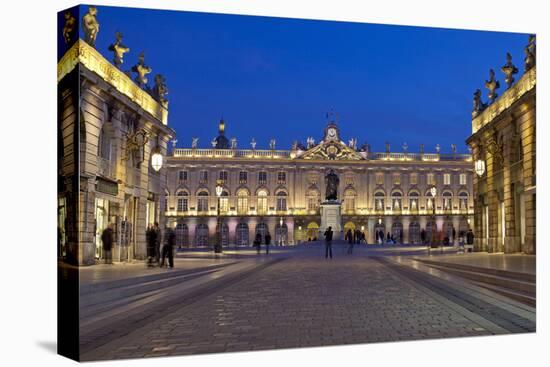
x=90, y=26
x=332, y=182
x=272, y=144
x=352, y=143
x=253, y=143
x=233, y=143
x=509, y=70
x=310, y=142
x=69, y=27
x=530, y=53
x=160, y=90
x=119, y=50
x=142, y=70
x=194, y=143
x=492, y=85
x=478, y=103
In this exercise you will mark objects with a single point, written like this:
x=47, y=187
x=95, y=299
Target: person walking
x=328, y=242
x=157, y=237
x=470, y=237
x=351, y=242
x=423, y=236
x=168, y=248
x=151, y=238
x=107, y=240
x=257, y=242
x=267, y=242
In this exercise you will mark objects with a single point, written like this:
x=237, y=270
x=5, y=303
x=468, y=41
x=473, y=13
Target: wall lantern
x=480, y=167
x=433, y=191
x=156, y=157
x=379, y=220
x=219, y=188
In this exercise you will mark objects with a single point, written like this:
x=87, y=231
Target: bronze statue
x=142, y=70
x=492, y=85
x=509, y=70
x=332, y=182
x=68, y=28
x=530, y=53
x=90, y=26
x=160, y=90
x=119, y=50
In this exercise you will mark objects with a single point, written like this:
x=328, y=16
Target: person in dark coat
x=168, y=248
x=150, y=237
x=351, y=241
x=267, y=242
x=470, y=237
x=157, y=238
x=107, y=240
x=388, y=237
x=349, y=236
x=423, y=236
x=328, y=242
x=257, y=242
x=454, y=235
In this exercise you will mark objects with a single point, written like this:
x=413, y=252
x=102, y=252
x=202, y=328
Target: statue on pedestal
x=492, y=85
x=509, y=70
x=90, y=26
x=160, y=90
x=332, y=182
x=478, y=103
x=530, y=53
x=119, y=50
x=142, y=70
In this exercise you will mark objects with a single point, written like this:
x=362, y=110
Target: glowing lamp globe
x=156, y=161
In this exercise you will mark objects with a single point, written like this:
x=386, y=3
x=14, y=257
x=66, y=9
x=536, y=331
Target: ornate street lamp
x=480, y=167
x=219, y=191
x=156, y=157
x=433, y=191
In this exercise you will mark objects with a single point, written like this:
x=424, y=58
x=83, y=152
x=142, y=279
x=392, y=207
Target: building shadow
x=48, y=345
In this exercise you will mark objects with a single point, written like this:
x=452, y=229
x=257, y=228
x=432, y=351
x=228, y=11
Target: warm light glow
x=480, y=167
x=219, y=190
x=433, y=191
x=379, y=220
x=156, y=161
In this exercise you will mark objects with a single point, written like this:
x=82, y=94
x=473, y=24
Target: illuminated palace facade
x=280, y=191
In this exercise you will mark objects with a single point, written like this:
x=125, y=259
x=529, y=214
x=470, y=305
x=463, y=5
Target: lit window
x=396, y=179
x=224, y=202
x=202, y=201
x=379, y=178
x=430, y=179
x=183, y=201
x=243, y=177
x=262, y=178
x=414, y=178
x=281, y=201
x=262, y=202
x=281, y=177
x=446, y=179
x=203, y=177
x=463, y=179
x=242, y=201
x=223, y=176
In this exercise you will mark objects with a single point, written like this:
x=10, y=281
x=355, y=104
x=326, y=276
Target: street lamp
x=156, y=157
x=281, y=231
x=219, y=191
x=480, y=167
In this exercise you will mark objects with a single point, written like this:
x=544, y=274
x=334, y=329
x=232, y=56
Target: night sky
x=277, y=77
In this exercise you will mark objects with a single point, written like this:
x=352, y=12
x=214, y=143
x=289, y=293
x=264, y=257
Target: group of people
x=258, y=242
x=354, y=237
x=389, y=238
x=153, y=238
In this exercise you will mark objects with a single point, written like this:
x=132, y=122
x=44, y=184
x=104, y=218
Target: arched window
x=224, y=202
x=413, y=200
x=183, y=201
x=447, y=200
x=281, y=234
x=261, y=228
x=201, y=235
x=242, y=201
x=349, y=201
x=281, y=201
x=313, y=200
x=241, y=236
x=463, y=200
x=430, y=200
x=379, y=201
x=262, y=202
x=182, y=235
x=397, y=200
x=414, y=233
x=202, y=202
x=224, y=235
x=397, y=232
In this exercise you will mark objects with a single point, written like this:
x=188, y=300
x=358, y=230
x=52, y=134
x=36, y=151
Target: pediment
x=331, y=150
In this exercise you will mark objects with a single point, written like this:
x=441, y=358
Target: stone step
x=527, y=277
x=528, y=299
x=516, y=285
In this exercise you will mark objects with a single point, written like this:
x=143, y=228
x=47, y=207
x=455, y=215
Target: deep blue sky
x=277, y=77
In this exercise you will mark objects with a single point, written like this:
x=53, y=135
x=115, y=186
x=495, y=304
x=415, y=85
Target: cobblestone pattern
x=298, y=303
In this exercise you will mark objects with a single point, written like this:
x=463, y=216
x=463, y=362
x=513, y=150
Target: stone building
x=503, y=143
x=112, y=134
x=280, y=191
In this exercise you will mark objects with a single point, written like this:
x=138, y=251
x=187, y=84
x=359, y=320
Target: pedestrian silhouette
x=328, y=242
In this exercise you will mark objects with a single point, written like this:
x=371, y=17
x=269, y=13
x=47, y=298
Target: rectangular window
x=281, y=177
x=463, y=179
x=349, y=179
x=203, y=177
x=312, y=203
x=430, y=179
x=224, y=204
x=262, y=178
x=182, y=176
x=182, y=205
x=223, y=176
x=397, y=179
x=414, y=178
x=379, y=178
x=202, y=204
x=243, y=177
x=446, y=179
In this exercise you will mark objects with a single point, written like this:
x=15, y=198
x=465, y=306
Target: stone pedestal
x=331, y=216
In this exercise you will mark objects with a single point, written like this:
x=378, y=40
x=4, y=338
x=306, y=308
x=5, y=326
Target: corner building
x=280, y=191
